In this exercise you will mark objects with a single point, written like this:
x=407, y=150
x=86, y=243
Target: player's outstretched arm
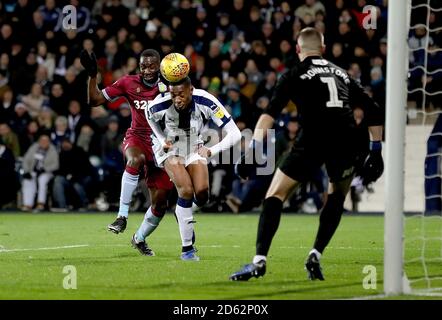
x=232, y=137
x=246, y=165
x=374, y=116
x=89, y=62
x=280, y=99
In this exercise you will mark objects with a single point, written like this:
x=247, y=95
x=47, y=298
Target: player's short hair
x=151, y=53
x=310, y=39
x=186, y=81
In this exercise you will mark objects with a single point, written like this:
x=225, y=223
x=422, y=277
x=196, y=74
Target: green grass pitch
x=34, y=249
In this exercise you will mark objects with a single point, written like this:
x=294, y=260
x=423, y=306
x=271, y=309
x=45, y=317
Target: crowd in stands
x=237, y=50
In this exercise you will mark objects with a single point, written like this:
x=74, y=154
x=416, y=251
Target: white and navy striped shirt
x=166, y=122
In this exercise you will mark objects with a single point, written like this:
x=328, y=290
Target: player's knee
x=279, y=195
x=185, y=192
x=202, y=196
x=135, y=162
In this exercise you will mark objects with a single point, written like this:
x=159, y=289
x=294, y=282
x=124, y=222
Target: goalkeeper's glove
x=374, y=164
x=89, y=62
x=246, y=165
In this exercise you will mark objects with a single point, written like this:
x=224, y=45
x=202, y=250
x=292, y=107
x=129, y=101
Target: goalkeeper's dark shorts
x=302, y=163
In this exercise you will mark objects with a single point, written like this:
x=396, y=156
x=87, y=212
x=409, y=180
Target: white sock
x=258, y=258
x=316, y=252
x=149, y=224
x=128, y=184
x=184, y=215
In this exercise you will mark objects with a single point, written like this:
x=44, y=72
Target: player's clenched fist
x=89, y=62
x=204, y=152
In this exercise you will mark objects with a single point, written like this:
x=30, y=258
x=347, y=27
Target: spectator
x=39, y=164
x=355, y=72
x=20, y=118
x=247, y=89
x=34, y=100
x=8, y=191
x=253, y=28
x=6, y=38
x=73, y=179
x=270, y=39
x=61, y=62
x=258, y=57
x=51, y=16
x=38, y=29
x=60, y=132
x=288, y=55
x=75, y=120
x=88, y=140
x=144, y=10
x=112, y=156
x=309, y=9
x=282, y=26
x=7, y=104
x=124, y=117
x=235, y=102
x=5, y=74
x=10, y=139
x=238, y=12
x=41, y=77
x=45, y=119
x=74, y=86
x=28, y=137
x=265, y=87
x=100, y=119
x=229, y=30
x=24, y=77
x=57, y=100
x=253, y=72
x=45, y=59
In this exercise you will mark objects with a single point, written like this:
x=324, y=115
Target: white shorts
x=183, y=149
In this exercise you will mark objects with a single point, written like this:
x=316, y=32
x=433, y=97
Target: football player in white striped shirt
x=177, y=119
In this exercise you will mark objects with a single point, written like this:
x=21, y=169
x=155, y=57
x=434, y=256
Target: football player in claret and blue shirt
x=139, y=90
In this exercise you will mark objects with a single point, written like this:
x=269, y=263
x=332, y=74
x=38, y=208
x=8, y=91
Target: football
x=174, y=67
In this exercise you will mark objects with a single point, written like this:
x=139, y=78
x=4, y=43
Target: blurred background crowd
x=57, y=152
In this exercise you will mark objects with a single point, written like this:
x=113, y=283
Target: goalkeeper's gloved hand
x=374, y=164
x=89, y=62
x=246, y=165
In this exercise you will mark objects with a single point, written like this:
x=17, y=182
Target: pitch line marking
x=2, y=250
